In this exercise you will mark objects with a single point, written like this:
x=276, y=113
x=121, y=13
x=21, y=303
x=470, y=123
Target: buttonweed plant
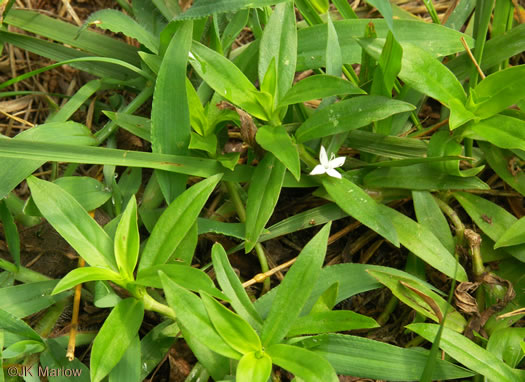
x=313, y=83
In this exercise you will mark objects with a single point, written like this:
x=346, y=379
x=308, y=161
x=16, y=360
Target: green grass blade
x=66, y=33
x=170, y=116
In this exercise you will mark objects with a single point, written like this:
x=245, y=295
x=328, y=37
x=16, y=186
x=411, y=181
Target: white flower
x=328, y=166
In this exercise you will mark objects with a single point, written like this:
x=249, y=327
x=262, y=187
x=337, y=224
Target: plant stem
x=454, y=218
x=151, y=304
x=389, y=308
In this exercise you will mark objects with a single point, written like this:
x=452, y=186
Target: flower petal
x=323, y=158
x=336, y=162
x=334, y=173
x=318, y=170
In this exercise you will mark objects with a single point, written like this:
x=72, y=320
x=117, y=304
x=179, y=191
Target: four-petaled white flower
x=328, y=166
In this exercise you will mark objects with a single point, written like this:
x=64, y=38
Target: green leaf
x=349, y=115
x=85, y=274
x=15, y=329
x=192, y=314
x=207, y=143
x=127, y=240
x=226, y=79
x=118, y=22
x=231, y=327
x=128, y=368
x=276, y=140
x=73, y=223
x=186, y=276
x=501, y=130
x=505, y=344
x=139, y=126
x=514, y=235
x=175, y=222
x=75, y=102
x=366, y=358
x=154, y=346
x=67, y=33
x=279, y=42
x=467, y=352
x=26, y=299
x=302, y=363
x=358, y=204
x=424, y=244
x=198, y=118
x=311, y=50
x=498, y=91
x=254, y=367
x=115, y=336
x=54, y=359
x=332, y=321
x=14, y=171
x=420, y=177
x=170, y=108
x=319, y=86
x=10, y=232
x=499, y=161
x=232, y=287
x=430, y=216
x=203, y=8
x=195, y=166
x=24, y=347
x=327, y=300
x=421, y=71
x=263, y=194
x=404, y=289
x=295, y=289
x=492, y=219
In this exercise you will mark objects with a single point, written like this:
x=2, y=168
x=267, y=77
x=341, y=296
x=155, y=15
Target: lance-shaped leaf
x=498, y=91
x=13, y=171
x=501, y=130
x=170, y=116
x=358, y=204
x=279, y=43
x=295, y=289
x=265, y=187
x=349, y=115
x=175, y=222
x=232, y=287
x=73, y=223
x=85, y=274
x=424, y=244
x=188, y=277
x=192, y=314
x=231, y=327
x=15, y=329
x=514, y=235
x=226, y=79
x=366, y=358
x=127, y=240
x=276, y=140
x=116, y=334
x=319, y=86
x=331, y=321
x=468, y=353
x=302, y=363
x=119, y=22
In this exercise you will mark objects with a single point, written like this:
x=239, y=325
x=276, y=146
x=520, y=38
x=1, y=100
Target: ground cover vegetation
x=259, y=190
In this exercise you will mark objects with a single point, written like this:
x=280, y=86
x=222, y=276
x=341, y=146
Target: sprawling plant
x=372, y=77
